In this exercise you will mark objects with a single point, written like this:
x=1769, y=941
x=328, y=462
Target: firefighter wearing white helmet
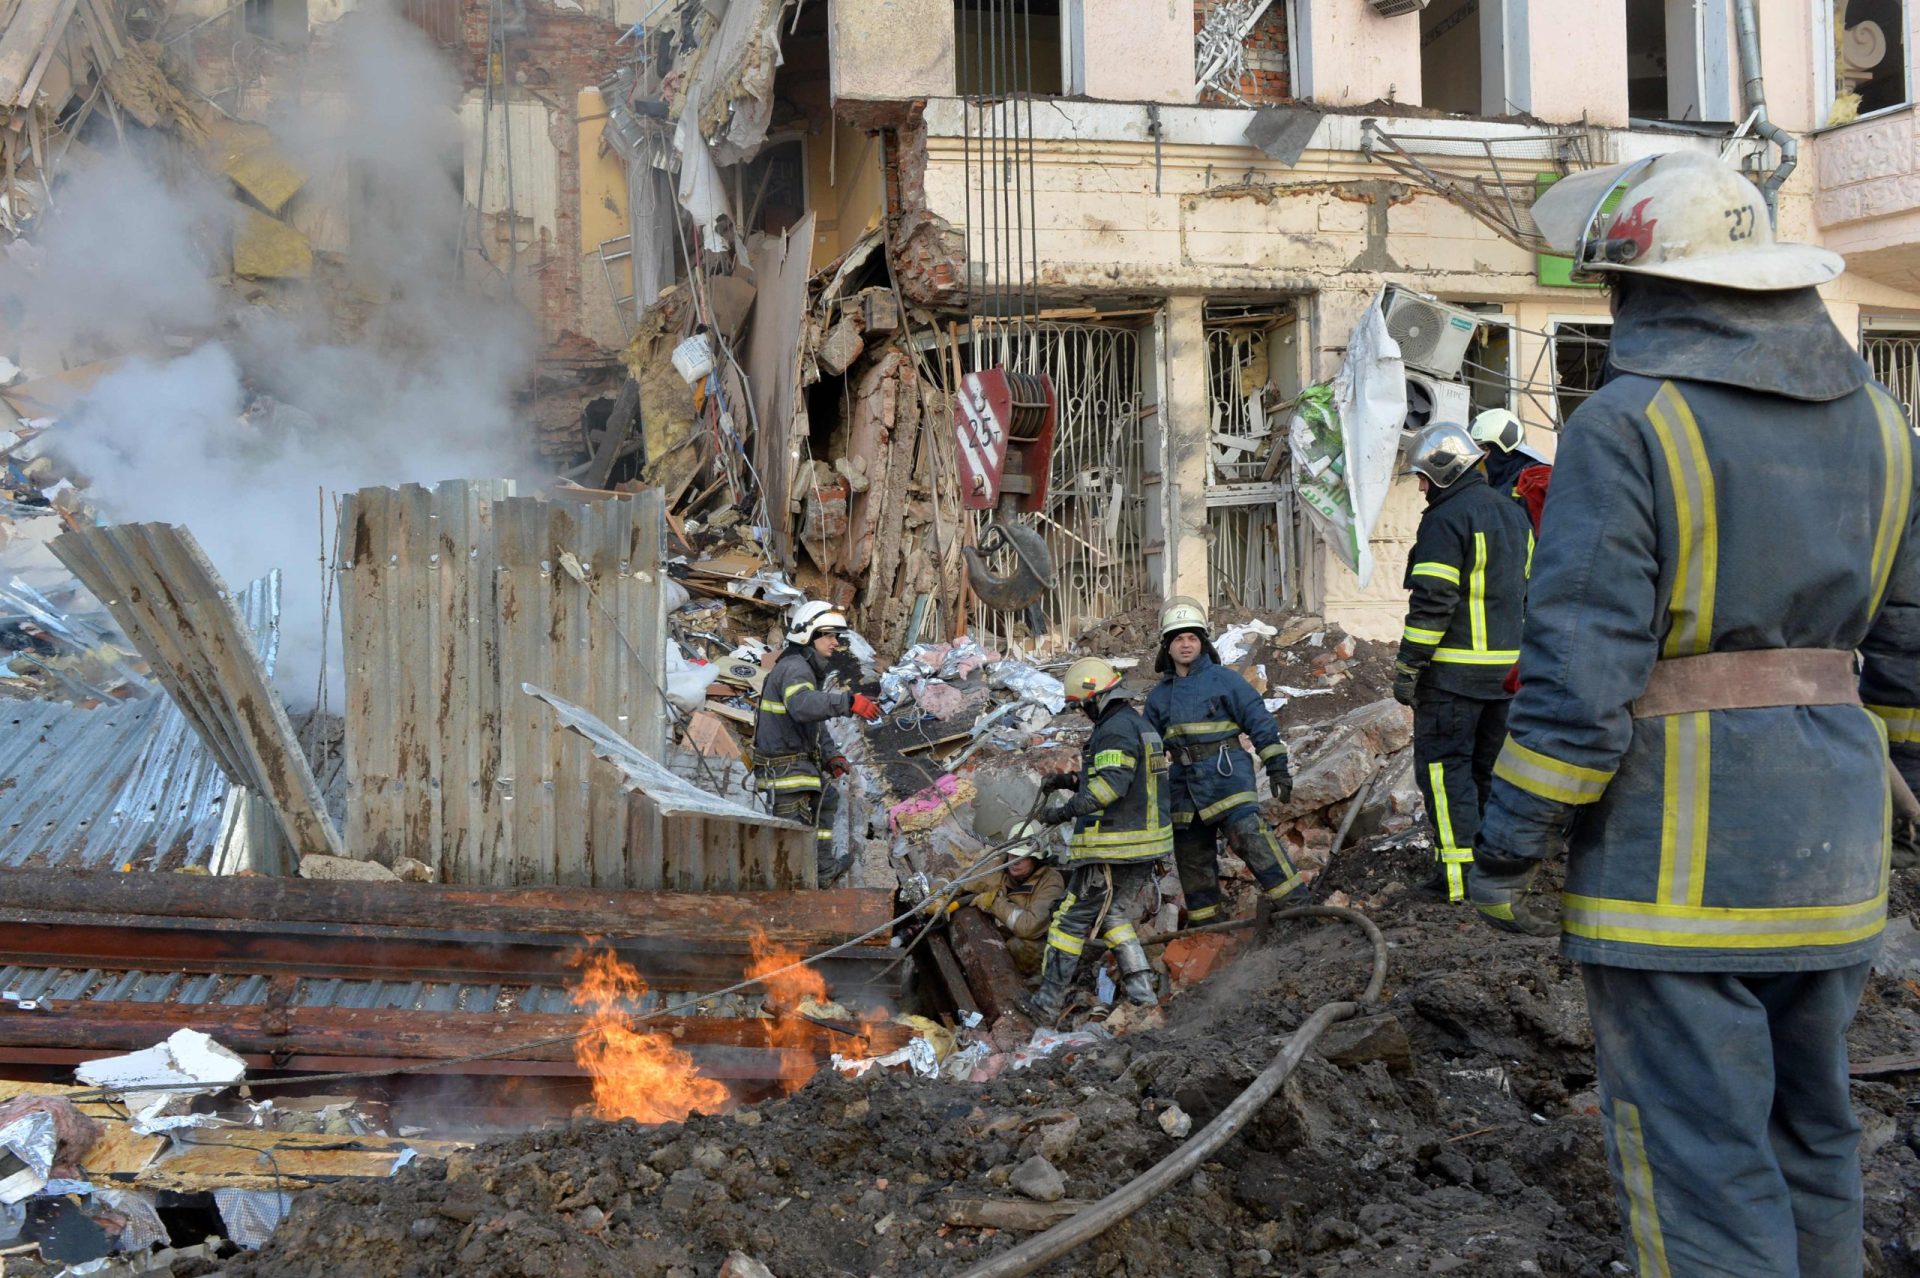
x=1732, y=521
x=1466, y=591
x=1501, y=433
x=792, y=754
x=1022, y=900
x=1121, y=826
x=1201, y=709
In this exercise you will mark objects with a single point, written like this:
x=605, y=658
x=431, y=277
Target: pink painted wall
x=1578, y=60
x=1359, y=56
x=1140, y=50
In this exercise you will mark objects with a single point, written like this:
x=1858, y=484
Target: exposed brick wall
x=557, y=55
x=1266, y=80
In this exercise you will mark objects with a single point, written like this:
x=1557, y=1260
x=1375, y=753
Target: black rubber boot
x=1136, y=974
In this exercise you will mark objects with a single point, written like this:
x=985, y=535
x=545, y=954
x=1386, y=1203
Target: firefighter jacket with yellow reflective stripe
x=1467, y=588
x=1764, y=502
x=790, y=730
x=1200, y=717
x=1121, y=809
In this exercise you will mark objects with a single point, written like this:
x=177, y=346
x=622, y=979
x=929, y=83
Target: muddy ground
x=1483, y=1158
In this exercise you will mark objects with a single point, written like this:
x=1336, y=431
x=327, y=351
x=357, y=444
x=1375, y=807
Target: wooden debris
x=1010, y=1213
x=711, y=737
x=989, y=967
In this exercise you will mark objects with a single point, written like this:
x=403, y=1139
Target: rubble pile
x=1454, y=1131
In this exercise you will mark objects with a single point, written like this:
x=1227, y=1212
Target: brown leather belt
x=1757, y=679
x=1750, y=681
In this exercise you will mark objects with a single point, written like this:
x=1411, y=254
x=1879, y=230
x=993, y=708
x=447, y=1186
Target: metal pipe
x=1753, y=91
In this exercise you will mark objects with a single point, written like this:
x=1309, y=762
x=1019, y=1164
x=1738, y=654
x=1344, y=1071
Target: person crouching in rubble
x=1022, y=899
x=1120, y=810
x=791, y=748
x=1200, y=708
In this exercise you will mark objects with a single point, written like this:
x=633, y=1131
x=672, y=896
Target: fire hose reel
x=1004, y=426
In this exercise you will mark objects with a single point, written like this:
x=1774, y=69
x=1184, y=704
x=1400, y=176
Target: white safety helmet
x=1681, y=216
x=1442, y=453
x=1183, y=612
x=1499, y=428
x=811, y=618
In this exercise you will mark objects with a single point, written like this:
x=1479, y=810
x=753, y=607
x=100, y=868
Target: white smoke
x=239, y=437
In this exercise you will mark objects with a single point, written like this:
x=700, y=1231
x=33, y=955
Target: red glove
x=837, y=766
x=1512, y=684
x=866, y=707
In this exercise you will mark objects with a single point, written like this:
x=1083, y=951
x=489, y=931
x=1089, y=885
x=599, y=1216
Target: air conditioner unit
x=1430, y=400
x=1394, y=8
x=1433, y=336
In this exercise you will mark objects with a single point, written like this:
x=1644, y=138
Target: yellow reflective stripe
x=1066, y=943
x=1432, y=568
x=1112, y=759
x=1457, y=856
x=1897, y=492
x=1414, y=634
x=1195, y=729
x=1549, y=778
x=1281, y=889
x=1683, y=819
x=1696, y=575
x=1121, y=838
x=793, y=783
x=1121, y=934
x=1202, y=914
x=1442, y=814
x=1268, y=752
x=1477, y=656
x=795, y=687
x=1477, y=594
x=1213, y=810
x=1100, y=790
x=1529, y=572
x=1902, y=722
x=1636, y=1177
x=1722, y=927
x=774, y=707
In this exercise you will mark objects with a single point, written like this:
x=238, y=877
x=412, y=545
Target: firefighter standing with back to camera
x=1119, y=811
x=1467, y=578
x=793, y=757
x=1200, y=708
x=1728, y=570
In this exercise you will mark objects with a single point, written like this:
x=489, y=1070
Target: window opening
x=1241, y=51
x=980, y=27
x=1870, y=57
x=1579, y=362
x=1253, y=375
x=1894, y=357
x=1450, y=70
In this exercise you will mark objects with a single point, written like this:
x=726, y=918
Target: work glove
x=984, y=900
x=1406, y=679
x=837, y=766
x=1280, y=779
x=1059, y=810
x=1498, y=888
x=866, y=707
x=1060, y=781
x=1906, y=844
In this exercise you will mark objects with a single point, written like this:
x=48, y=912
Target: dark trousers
x=1196, y=852
x=1455, y=741
x=1112, y=896
x=816, y=808
x=1732, y=1145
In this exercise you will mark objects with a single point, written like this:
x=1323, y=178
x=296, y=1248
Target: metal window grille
x=1894, y=358
x=1254, y=552
x=1095, y=515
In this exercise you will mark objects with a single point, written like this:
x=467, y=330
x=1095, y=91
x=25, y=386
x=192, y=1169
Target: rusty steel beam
x=336, y=1038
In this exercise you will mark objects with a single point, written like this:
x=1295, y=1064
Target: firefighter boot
x=1056, y=979
x=1136, y=974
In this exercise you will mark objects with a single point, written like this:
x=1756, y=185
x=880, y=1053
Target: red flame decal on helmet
x=1635, y=227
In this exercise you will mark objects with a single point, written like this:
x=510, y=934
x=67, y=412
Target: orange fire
x=636, y=1074
x=795, y=997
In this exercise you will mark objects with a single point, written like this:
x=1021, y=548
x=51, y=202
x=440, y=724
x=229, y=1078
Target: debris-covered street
x=765, y=639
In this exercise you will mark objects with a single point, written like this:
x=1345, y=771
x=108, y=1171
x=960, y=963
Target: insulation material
x=265, y=248
x=731, y=93
x=266, y=175
x=702, y=191
x=250, y=1215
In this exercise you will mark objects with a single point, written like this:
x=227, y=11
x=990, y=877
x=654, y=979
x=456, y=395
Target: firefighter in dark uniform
x=1467, y=579
x=1503, y=437
x=1121, y=826
x=793, y=756
x=1200, y=708
x=1731, y=520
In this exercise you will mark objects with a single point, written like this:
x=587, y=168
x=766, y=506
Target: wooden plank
x=415, y=724
x=571, y=529
x=120, y=1153
x=990, y=970
x=646, y=606
x=233, y=1158
x=1884, y=1065
x=1009, y=1213
x=362, y=547
x=487, y=689
x=951, y=976
x=457, y=723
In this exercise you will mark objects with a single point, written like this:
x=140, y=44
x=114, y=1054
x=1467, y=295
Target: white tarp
x=1346, y=437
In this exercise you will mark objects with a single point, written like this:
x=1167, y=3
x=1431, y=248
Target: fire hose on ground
x=1137, y=1193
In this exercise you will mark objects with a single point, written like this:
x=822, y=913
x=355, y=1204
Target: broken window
x=1894, y=356
x=1008, y=46
x=1677, y=60
x=1579, y=361
x=1456, y=75
x=1870, y=58
x=773, y=186
x=1253, y=374
x=1488, y=367
x=1242, y=51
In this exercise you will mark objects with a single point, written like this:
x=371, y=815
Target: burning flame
x=636, y=1074
x=795, y=998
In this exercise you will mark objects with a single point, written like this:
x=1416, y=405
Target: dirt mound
x=1476, y=1152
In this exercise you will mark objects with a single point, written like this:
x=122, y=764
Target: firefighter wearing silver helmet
x=793, y=756
x=1201, y=708
x=1691, y=727
x=1121, y=826
x=1467, y=583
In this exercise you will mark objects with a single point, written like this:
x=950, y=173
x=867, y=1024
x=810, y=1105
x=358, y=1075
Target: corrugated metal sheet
x=450, y=600
x=129, y=783
x=172, y=606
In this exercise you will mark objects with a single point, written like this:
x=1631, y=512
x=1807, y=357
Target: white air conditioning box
x=1394, y=8
x=1430, y=400
x=1433, y=336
